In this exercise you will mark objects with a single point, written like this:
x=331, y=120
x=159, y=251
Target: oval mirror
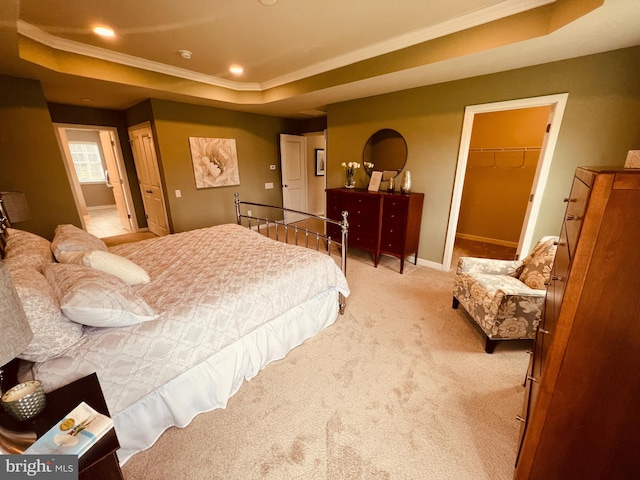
x=385, y=151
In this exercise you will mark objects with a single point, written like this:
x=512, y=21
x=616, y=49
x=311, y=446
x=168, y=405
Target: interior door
x=144, y=156
x=293, y=165
x=115, y=179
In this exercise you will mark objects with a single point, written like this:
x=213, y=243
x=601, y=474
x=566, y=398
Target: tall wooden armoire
x=582, y=404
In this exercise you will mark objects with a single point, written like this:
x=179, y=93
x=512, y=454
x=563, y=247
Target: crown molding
x=500, y=10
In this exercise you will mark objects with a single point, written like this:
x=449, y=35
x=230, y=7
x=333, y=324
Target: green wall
x=601, y=123
x=257, y=145
x=30, y=159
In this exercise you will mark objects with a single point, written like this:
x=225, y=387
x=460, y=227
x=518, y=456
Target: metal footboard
x=298, y=235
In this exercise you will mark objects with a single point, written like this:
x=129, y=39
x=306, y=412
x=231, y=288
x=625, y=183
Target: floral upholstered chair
x=505, y=297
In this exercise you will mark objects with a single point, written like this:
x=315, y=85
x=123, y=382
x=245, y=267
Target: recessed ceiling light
x=104, y=31
x=268, y=3
x=236, y=69
x=186, y=54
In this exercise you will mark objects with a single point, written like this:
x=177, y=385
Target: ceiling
x=298, y=55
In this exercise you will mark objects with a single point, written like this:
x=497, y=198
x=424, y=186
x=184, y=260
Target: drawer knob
x=565, y=200
x=542, y=330
x=533, y=379
x=571, y=217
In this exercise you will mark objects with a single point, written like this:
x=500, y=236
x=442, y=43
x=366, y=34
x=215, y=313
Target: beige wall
x=30, y=160
x=497, y=184
x=601, y=123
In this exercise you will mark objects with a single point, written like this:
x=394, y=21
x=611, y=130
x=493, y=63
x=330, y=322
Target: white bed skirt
x=210, y=384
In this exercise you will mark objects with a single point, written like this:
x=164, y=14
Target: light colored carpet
x=398, y=388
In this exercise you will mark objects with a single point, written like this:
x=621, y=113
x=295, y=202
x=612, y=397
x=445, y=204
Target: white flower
x=344, y=165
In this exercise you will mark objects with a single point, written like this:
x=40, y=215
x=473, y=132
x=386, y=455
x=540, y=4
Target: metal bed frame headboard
x=320, y=239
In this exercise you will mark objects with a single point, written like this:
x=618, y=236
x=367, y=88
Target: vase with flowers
x=350, y=170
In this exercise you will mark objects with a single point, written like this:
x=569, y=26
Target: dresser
x=581, y=414
x=379, y=222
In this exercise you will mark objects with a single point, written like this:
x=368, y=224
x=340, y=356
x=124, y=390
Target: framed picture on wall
x=319, y=162
x=215, y=161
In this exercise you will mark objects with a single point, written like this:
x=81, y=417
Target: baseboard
x=493, y=241
x=427, y=263
x=102, y=207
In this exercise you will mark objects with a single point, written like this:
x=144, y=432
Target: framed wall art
x=319, y=162
x=215, y=162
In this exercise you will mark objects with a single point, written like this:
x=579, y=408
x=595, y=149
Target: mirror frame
x=381, y=135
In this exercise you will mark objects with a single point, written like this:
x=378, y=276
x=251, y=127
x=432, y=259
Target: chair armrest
x=488, y=265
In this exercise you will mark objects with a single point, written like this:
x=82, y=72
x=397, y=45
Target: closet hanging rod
x=506, y=149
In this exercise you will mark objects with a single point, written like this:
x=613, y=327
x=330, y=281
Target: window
x=87, y=161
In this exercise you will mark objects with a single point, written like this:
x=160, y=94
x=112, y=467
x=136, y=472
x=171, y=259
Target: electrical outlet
x=249, y=212
x=268, y=186
x=178, y=193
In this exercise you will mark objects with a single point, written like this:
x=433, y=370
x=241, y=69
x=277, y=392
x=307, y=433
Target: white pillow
x=69, y=238
x=96, y=298
x=108, y=262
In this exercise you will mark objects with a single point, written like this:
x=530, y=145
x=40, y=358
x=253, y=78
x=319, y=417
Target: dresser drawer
x=363, y=240
x=576, y=208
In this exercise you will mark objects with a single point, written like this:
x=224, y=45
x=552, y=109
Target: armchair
x=505, y=297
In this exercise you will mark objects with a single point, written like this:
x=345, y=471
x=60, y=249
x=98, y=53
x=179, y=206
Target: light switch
x=178, y=193
x=268, y=185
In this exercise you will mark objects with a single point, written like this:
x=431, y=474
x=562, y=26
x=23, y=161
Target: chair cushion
x=537, y=266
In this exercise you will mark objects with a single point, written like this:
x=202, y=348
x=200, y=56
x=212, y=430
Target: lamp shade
x=16, y=206
x=16, y=333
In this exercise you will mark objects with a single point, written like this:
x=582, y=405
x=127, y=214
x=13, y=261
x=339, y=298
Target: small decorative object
x=25, y=400
x=391, y=186
x=405, y=186
x=319, y=162
x=350, y=170
x=374, y=184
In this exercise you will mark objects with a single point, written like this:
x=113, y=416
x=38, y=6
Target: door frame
x=557, y=103
x=78, y=197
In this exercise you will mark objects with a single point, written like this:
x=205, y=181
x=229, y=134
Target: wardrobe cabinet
x=379, y=222
x=581, y=415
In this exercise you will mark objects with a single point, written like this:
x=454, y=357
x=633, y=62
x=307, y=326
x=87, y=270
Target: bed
x=216, y=306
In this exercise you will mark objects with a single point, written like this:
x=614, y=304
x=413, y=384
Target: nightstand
x=100, y=462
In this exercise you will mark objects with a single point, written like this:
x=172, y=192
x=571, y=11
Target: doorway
x=556, y=104
x=97, y=175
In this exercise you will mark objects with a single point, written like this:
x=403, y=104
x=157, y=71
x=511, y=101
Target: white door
x=144, y=156
x=293, y=165
x=115, y=179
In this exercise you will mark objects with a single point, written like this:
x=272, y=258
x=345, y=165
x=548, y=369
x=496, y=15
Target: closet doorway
x=96, y=173
x=510, y=161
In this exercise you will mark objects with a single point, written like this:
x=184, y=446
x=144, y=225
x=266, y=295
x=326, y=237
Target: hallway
x=104, y=221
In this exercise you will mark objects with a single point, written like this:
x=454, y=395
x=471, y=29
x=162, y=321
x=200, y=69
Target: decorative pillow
x=537, y=266
x=108, y=262
x=53, y=333
x=69, y=238
x=26, y=249
x=96, y=298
